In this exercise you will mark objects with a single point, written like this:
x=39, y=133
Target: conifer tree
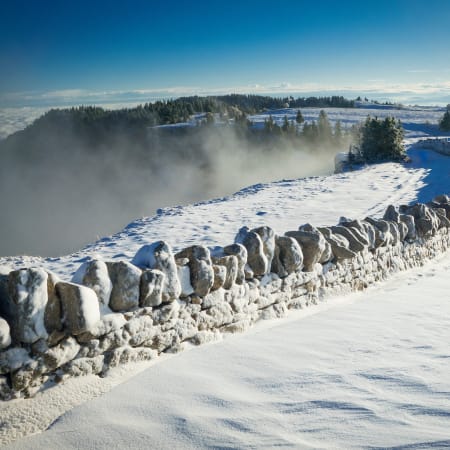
x=324, y=127
x=444, y=123
x=299, y=118
x=382, y=140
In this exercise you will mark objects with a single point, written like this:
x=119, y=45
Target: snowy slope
x=369, y=370
x=372, y=372
x=248, y=382
x=283, y=205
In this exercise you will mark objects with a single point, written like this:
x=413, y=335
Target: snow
x=366, y=370
x=363, y=370
x=5, y=337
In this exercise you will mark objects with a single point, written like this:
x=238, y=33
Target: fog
x=60, y=193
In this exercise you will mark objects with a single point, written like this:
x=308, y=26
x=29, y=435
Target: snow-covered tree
x=444, y=123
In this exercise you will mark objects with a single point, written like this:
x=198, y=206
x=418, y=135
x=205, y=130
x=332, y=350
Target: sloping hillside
x=341, y=376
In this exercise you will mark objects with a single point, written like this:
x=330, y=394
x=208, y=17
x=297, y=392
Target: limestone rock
x=13, y=359
x=95, y=275
x=383, y=235
x=403, y=230
x=5, y=336
x=184, y=276
x=288, y=257
x=6, y=393
x=442, y=217
x=84, y=366
x=312, y=244
x=256, y=258
x=231, y=263
x=267, y=236
x=425, y=219
x=392, y=214
x=152, y=285
x=340, y=247
x=356, y=243
x=359, y=230
x=53, y=313
x=327, y=254
x=107, y=324
x=201, y=269
x=395, y=233
x=28, y=292
x=442, y=199
x=80, y=307
x=123, y=355
x=220, y=275
x=7, y=308
x=61, y=354
x=241, y=254
x=126, y=279
x=159, y=256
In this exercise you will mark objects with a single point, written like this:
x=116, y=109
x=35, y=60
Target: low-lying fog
x=58, y=200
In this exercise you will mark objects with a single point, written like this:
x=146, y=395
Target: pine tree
x=337, y=135
x=285, y=126
x=444, y=123
x=299, y=118
x=382, y=140
x=324, y=127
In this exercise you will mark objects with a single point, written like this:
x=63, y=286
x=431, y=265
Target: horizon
x=68, y=54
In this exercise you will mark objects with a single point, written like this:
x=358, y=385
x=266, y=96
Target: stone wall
x=440, y=145
x=111, y=313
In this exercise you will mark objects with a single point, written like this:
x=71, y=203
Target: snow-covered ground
x=283, y=205
x=369, y=371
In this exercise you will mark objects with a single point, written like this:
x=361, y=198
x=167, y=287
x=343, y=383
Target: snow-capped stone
x=61, y=354
x=5, y=335
x=200, y=265
x=84, y=366
x=355, y=243
x=442, y=199
x=402, y=229
x=80, y=307
x=241, y=254
x=393, y=229
x=152, y=283
x=231, y=264
x=267, y=236
x=392, y=214
x=442, y=217
x=288, y=256
x=53, y=313
x=28, y=292
x=312, y=244
x=358, y=230
x=327, y=254
x=6, y=393
x=256, y=258
x=184, y=276
x=425, y=219
x=339, y=245
x=159, y=256
x=94, y=274
x=126, y=279
x=409, y=221
x=13, y=359
x=220, y=275
x=123, y=355
x=383, y=236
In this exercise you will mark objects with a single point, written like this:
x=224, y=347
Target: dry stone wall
x=440, y=145
x=111, y=313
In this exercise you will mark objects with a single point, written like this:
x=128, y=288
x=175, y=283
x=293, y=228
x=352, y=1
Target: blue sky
x=64, y=51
